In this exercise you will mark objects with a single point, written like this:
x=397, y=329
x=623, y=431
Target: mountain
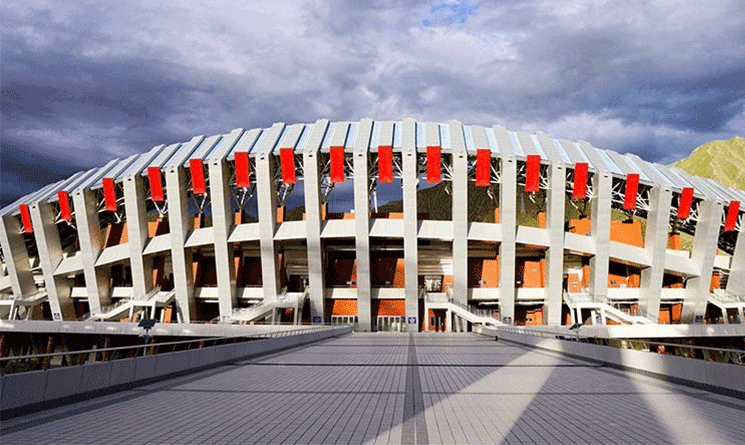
x=720, y=160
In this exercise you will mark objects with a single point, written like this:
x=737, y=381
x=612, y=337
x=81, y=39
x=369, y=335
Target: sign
x=57, y=316
x=412, y=320
x=316, y=319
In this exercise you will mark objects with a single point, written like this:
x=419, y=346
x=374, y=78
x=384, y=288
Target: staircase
x=579, y=301
x=462, y=310
x=261, y=310
x=152, y=300
x=729, y=302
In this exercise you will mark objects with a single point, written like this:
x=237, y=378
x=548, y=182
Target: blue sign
x=316, y=320
x=412, y=320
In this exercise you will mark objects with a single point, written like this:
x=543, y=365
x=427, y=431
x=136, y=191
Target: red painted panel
x=385, y=164
x=242, y=172
x=337, y=164
x=686, y=198
x=287, y=161
x=109, y=194
x=532, y=173
x=580, y=181
x=483, y=167
x=632, y=187
x=64, y=205
x=434, y=166
x=156, y=186
x=26, y=219
x=732, y=214
x=196, y=168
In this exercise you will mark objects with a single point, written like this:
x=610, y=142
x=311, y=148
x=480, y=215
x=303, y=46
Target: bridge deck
x=379, y=388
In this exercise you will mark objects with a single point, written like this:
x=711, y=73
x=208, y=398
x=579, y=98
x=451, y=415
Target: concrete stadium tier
x=388, y=225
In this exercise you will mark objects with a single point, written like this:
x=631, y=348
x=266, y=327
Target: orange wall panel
x=580, y=226
x=627, y=233
x=389, y=308
x=341, y=307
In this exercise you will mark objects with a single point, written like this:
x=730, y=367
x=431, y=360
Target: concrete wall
x=722, y=378
x=31, y=391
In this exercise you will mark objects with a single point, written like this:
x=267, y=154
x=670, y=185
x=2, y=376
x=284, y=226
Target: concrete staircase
x=579, y=301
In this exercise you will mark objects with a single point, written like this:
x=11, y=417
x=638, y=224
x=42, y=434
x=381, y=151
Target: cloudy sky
x=84, y=82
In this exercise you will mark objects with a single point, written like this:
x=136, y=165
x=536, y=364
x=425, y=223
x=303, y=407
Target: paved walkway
x=379, y=388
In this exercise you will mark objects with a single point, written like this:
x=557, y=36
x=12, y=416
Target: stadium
x=385, y=225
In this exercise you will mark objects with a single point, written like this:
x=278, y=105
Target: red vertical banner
x=686, y=198
x=156, y=185
x=26, y=219
x=287, y=163
x=532, y=173
x=242, y=172
x=64, y=205
x=336, y=172
x=483, y=167
x=198, y=187
x=385, y=164
x=109, y=194
x=732, y=213
x=580, y=181
x=632, y=187
x=434, y=166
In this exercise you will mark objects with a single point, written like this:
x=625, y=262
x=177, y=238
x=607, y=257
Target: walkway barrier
x=723, y=378
x=67, y=377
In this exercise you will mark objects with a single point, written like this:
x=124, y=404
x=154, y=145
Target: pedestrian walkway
x=396, y=388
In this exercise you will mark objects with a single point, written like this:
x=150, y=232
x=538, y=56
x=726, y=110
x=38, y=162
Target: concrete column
x=600, y=221
x=655, y=244
x=362, y=225
x=703, y=254
x=91, y=245
x=555, y=212
x=411, y=222
x=181, y=223
x=314, y=217
x=267, y=199
x=736, y=280
x=137, y=232
x=222, y=222
x=460, y=213
x=16, y=257
x=508, y=221
x=50, y=256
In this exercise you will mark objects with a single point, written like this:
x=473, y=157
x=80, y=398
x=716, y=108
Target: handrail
x=154, y=347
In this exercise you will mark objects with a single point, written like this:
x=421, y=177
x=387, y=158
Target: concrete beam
x=702, y=256
x=91, y=245
x=137, y=232
x=600, y=221
x=555, y=213
x=655, y=244
x=460, y=212
x=362, y=225
x=16, y=257
x=181, y=223
x=508, y=220
x=411, y=222
x=222, y=222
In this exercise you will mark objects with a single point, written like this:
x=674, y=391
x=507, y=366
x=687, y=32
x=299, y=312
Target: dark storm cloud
x=86, y=82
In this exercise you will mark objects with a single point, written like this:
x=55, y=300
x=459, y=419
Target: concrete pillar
x=508, y=221
x=50, y=256
x=600, y=221
x=91, y=245
x=555, y=212
x=460, y=212
x=314, y=218
x=362, y=225
x=655, y=244
x=137, y=232
x=267, y=198
x=222, y=222
x=736, y=280
x=181, y=223
x=16, y=257
x=704, y=251
x=411, y=222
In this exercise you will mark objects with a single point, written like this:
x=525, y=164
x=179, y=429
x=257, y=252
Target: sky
x=85, y=82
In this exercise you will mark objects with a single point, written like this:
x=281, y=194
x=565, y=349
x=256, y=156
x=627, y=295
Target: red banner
x=109, y=194
x=337, y=164
x=632, y=187
x=242, y=172
x=26, y=219
x=532, y=173
x=684, y=207
x=385, y=164
x=483, y=167
x=434, y=167
x=196, y=168
x=732, y=214
x=156, y=186
x=287, y=162
x=580, y=181
x=64, y=205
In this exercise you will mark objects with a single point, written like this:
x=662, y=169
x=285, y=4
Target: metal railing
x=708, y=353
x=24, y=363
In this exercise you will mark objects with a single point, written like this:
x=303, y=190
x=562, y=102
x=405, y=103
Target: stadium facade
x=288, y=223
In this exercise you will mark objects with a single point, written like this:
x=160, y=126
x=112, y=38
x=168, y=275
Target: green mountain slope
x=720, y=160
